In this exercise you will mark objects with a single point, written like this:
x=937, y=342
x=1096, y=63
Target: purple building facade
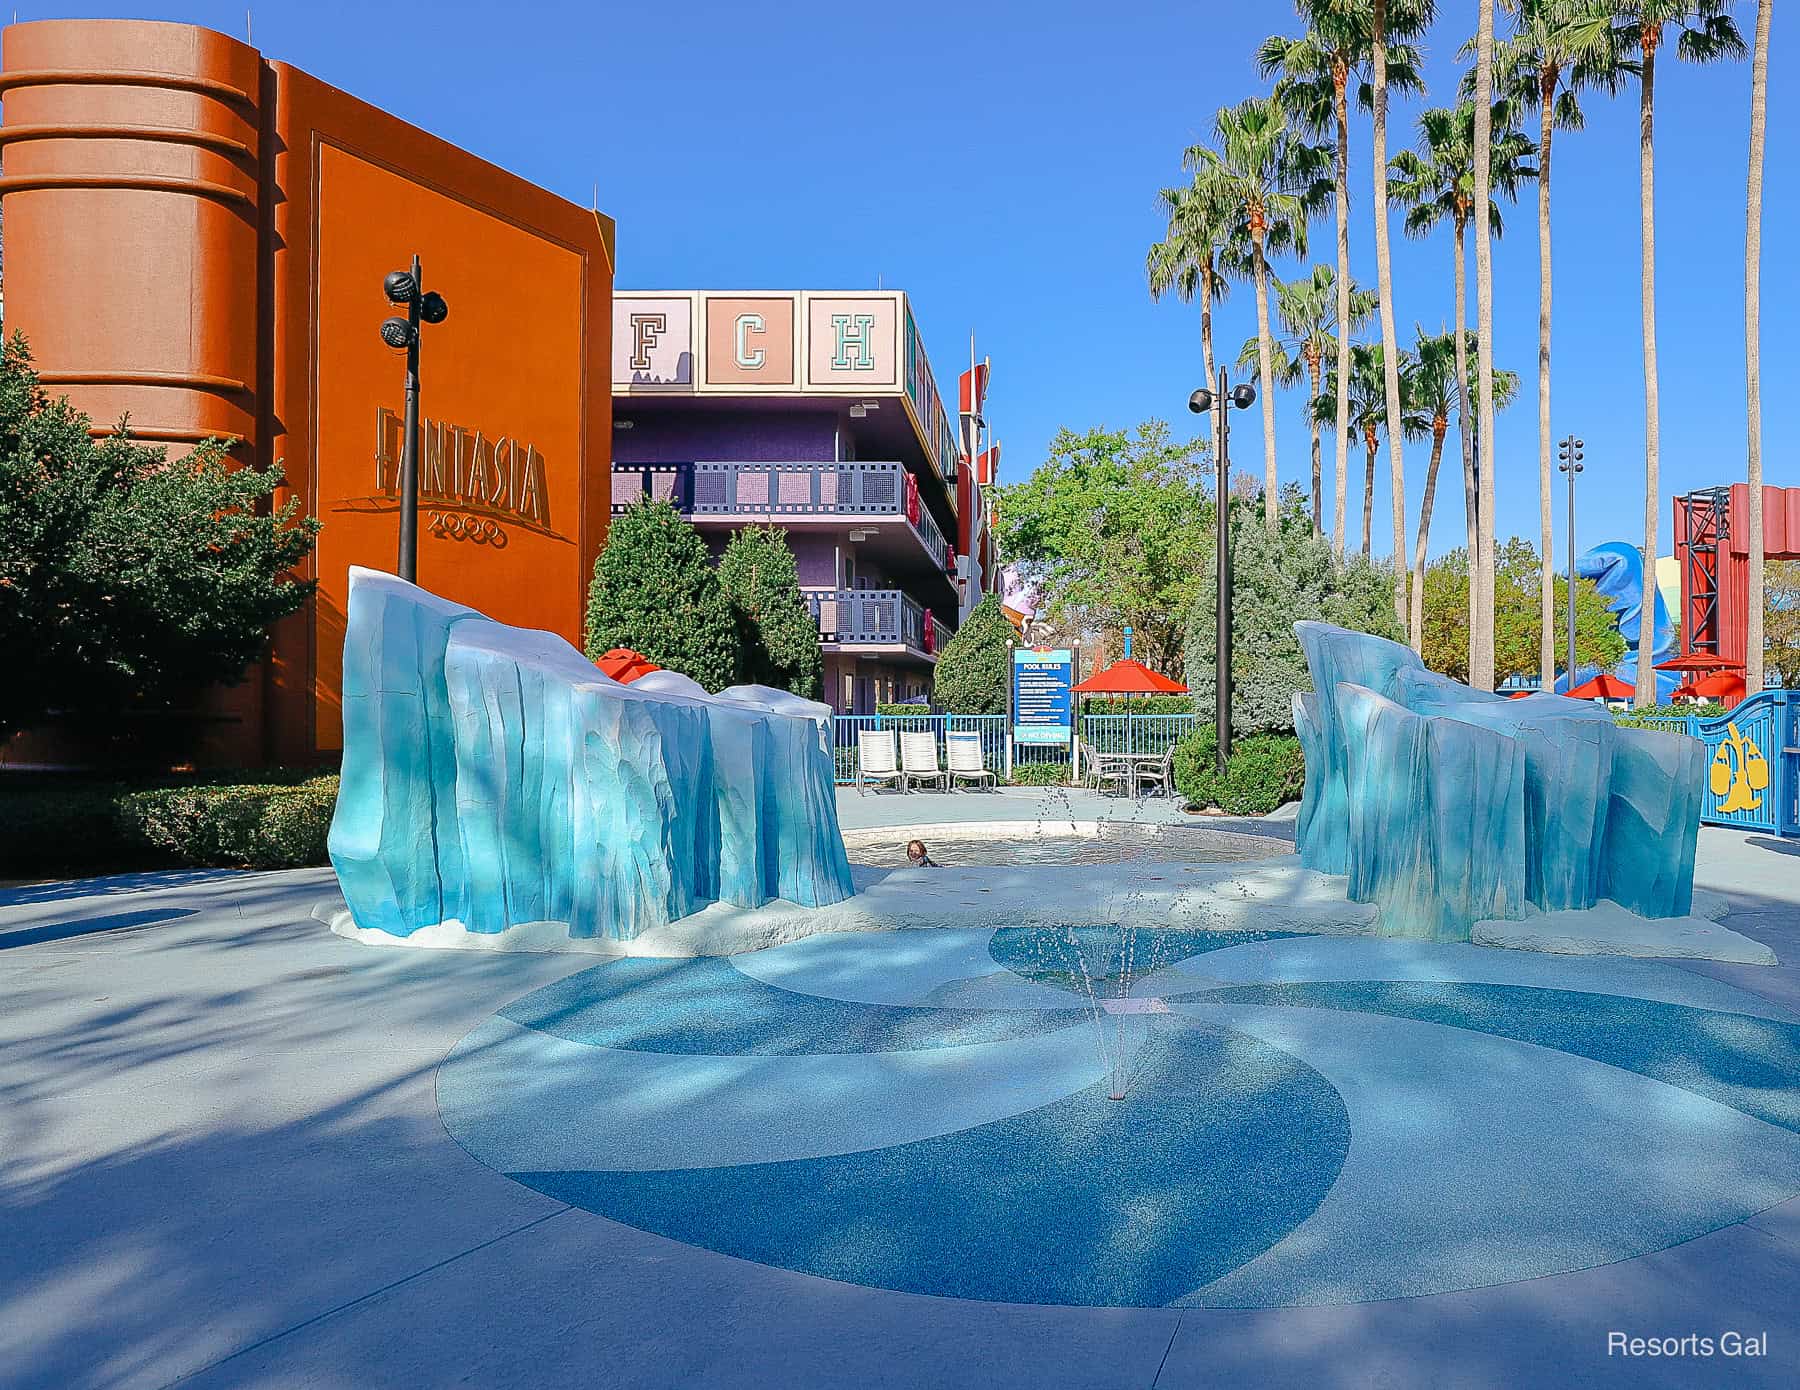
x=816, y=413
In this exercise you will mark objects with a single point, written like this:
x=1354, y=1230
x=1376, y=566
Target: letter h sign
x=853, y=352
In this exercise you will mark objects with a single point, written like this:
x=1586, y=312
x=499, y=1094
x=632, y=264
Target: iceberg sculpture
x=494, y=779
x=1446, y=806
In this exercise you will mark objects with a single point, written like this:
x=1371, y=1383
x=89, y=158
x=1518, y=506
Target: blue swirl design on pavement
x=1313, y=1120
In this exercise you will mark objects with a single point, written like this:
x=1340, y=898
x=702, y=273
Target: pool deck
x=221, y=1164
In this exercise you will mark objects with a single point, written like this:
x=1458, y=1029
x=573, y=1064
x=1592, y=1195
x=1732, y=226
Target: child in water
x=917, y=857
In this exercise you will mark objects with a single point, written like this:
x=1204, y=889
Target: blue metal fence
x=991, y=727
x=1137, y=734
x=1134, y=735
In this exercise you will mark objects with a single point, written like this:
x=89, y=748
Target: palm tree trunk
x=1390, y=346
x=1439, y=428
x=1481, y=668
x=1546, y=533
x=1466, y=436
x=1646, y=664
x=1266, y=373
x=1316, y=367
x=1759, y=107
x=1206, y=346
x=1368, y=490
x=1341, y=177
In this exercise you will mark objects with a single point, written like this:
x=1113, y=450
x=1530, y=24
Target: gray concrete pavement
x=221, y=1165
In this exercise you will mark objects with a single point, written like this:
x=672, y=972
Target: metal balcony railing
x=878, y=491
x=885, y=616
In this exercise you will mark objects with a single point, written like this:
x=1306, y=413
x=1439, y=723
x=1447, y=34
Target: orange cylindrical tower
x=133, y=197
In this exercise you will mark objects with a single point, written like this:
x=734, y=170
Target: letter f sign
x=646, y=332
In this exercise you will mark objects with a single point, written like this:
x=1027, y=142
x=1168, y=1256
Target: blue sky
x=1000, y=162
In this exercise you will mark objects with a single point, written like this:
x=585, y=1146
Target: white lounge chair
x=875, y=759
x=919, y=761
x=966, y=761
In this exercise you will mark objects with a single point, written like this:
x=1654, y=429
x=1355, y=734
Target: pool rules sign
x=1043, y=705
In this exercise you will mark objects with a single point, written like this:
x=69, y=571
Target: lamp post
x=403, y=287
x=1569, y=451
x=1243, y=396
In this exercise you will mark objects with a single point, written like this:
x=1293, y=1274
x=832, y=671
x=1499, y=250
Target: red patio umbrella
x=1699, y=661
x=625, y=665
x=1129, y=677
x=1727, y=687
x=1605, y=686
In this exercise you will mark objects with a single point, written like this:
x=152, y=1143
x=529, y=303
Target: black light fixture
x=402, y=287
x=1570, y=454
x=1243, y=396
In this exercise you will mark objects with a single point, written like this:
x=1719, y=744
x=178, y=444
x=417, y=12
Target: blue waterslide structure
x=1617, y=569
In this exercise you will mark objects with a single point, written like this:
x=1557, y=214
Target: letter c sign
x=748, y=356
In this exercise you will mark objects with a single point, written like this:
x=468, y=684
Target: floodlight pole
x=1570, y=453
x=409, y=448
x=1222, y=635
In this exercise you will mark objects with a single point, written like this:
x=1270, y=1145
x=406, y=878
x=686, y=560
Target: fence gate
x=1753, y=764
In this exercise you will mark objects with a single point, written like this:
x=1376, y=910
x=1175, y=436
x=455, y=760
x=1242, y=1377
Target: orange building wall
x=198, y=236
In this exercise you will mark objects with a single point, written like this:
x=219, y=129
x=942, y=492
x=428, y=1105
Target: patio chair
x=966, y=761
x=919, y=761
x=1113, y=770
x=875, y=759
x=1160, y=773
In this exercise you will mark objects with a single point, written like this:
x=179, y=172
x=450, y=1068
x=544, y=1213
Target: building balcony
x=874, y=620
x=878, y=503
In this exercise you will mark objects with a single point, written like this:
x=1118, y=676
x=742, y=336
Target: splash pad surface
x=1306, y=1120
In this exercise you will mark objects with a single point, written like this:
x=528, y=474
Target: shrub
x=95, y=827
x=1655, y=716
x=1278, y=579
x=976, y=664
x=655, y=591
x=779, y=635
x=1137, y=704
x=1262, y=772
x=1040, y=774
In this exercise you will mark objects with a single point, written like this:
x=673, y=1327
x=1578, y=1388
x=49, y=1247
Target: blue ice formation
x=1447, y=806
x=494, y=779
x=1617, y=569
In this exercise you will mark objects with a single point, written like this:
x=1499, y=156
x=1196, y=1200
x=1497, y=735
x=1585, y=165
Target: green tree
x=1436, y=183
x=976, y=664
x=1438, y=391
x=1109, y=526
x=655, y=591
x=1368, y=416
x=1195, y=255
x=1279, y=578
x=127, y=581
x=1516, y=578
x=1781, y=622
x=1536, y=67
x=1277, y=182
x=1307, y=310
x=779, y=635
x=1314, y=74
x=1607, y=38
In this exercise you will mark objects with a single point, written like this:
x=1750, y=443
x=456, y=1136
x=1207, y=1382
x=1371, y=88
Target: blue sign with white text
x=1043, y=702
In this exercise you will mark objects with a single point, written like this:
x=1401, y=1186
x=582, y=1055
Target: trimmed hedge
x=53, y=827
x=1263, y=771
x=1137, y=704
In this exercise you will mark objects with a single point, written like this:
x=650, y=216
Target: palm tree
x=1535, y=67
x=1315, y=72
x=1436, y=183
x=1307, y=310
x=1276, y=181
x=1704, y=33
x=1481, y=574
x=1759, y=109
x=1194, y=255
x=1440, y=384
x=1405, y=19
x=1367, y=393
